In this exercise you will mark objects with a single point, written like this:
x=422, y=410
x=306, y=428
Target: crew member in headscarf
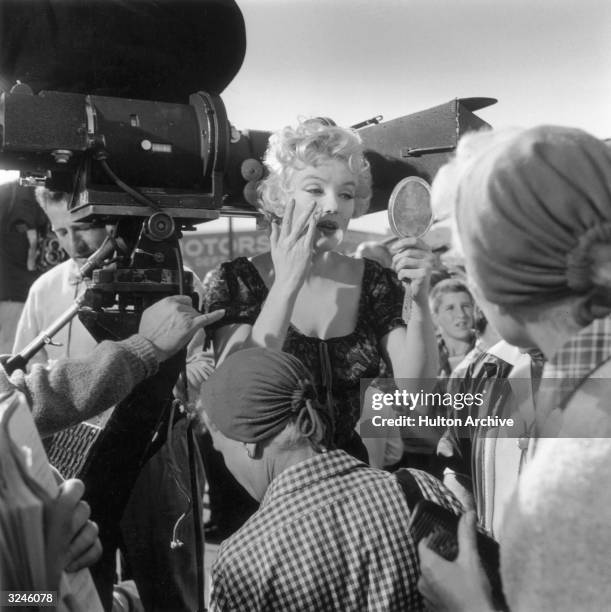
x=533, y=213
x=331, y=532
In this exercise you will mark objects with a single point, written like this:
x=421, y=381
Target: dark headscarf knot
x=303, y=392
x=579, y=261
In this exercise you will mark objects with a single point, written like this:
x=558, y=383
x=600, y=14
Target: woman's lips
x=327, y=227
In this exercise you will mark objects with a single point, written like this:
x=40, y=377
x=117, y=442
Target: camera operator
x=57, y=289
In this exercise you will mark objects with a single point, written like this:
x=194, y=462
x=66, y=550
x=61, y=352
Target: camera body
x=176, y=155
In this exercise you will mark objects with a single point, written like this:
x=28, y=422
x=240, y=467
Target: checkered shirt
x=331, y=534
x=583, y=353
x=569, y=368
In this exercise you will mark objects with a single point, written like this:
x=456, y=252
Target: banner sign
x=203, y=252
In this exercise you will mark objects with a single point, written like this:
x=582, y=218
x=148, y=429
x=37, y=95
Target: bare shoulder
x=355, y=263
x=264, y=266
x=261, y=259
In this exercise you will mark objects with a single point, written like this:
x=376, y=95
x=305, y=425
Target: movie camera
x=149, y=169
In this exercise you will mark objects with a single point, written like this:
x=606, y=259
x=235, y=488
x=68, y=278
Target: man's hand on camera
x=170, y=323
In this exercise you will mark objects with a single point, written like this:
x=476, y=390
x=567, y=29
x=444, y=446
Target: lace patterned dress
x=337, y=364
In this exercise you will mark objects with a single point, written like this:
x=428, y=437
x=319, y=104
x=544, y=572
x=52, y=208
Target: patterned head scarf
x=530, y=205
x=254, y=393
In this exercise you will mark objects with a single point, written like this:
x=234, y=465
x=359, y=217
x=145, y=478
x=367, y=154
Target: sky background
x=546, y=61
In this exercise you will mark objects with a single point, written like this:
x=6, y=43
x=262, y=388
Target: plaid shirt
x=568, y=369
x=583, y=353
x=331, y=534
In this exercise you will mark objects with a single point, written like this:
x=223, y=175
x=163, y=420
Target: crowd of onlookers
x=312, y=502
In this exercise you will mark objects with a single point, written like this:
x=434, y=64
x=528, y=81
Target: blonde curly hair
x=310, y=143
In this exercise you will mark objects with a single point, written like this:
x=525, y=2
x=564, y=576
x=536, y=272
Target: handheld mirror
x=410, y=215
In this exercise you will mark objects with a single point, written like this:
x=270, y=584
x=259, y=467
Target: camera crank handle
x=96, y=260
x=20, y=360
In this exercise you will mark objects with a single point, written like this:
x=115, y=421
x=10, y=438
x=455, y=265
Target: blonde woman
x=339, y=315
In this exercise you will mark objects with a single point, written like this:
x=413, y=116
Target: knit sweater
x=74, y=390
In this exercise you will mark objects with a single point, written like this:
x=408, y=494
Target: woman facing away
x=533, y=213
x=341, y=316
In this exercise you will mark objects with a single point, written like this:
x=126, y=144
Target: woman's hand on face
x=292, y=242
x=412, y=260
x=456, y=586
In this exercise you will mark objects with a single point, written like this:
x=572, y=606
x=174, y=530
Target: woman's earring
x=251, y=449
